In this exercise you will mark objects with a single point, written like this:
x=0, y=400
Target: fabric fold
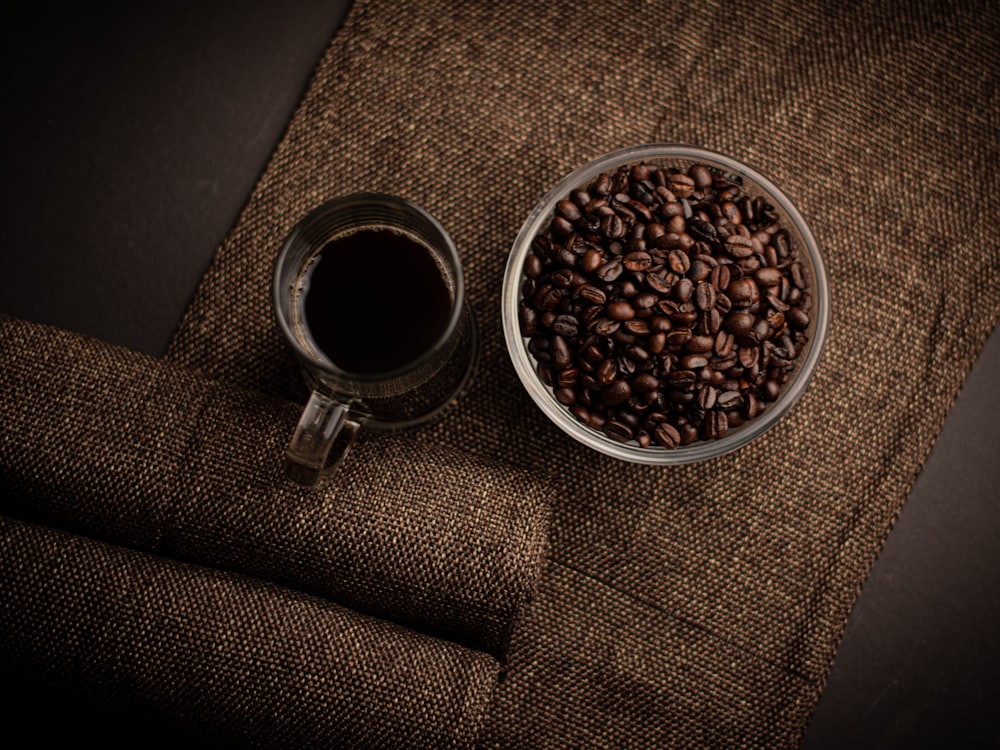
x=134, y=451
x=238, y=660
x=870, y=118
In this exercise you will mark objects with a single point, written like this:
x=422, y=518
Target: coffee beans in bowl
x=665, y=304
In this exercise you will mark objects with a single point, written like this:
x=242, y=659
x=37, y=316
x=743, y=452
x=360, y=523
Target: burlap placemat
x=122, y=447
x=243, y=662
x=695, y=606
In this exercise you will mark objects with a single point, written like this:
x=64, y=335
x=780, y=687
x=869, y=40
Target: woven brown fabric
x=694, y=606
x=243, y=660
x=119, y=446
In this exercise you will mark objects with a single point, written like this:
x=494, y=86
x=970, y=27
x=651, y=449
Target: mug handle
x=322, y=439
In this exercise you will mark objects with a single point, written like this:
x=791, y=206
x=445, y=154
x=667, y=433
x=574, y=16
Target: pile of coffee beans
x=664, y=306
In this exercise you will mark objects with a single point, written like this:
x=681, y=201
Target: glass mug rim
x=319, y=358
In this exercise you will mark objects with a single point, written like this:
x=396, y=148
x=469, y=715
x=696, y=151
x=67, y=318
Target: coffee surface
x=376, y=300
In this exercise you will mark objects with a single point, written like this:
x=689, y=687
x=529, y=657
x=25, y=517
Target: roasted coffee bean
x=743, y=292
x=700, y=175
x=768, y=277
x=657, y=283
x=592, y=354
x=723, y=362
x=720, y=277
x=703, y=231
x=528, y=319
x=667, y=435
x=566, y=326
x=563, y=278
x=730, y=212
x=591, y=261
x=568, y=210
x=610, y=270
x=704, y=296
x=590, y=294
x=700, y=269
x=683, y=379
x=606, y=372
x=533, y=266
x=679, y=336
x=710, y=322
x=561, y=227
x=539, y=349
x=739, y=323
x=559, y=350
x=618, y=430
x=568, y=377
x=645, y=383
x=693, y=361
x=724, y=343
x=565, y=396
x=798, y=275
x=637, y=354
x=613, y=227
x=797, y=318
x=676, y=225
x=681, y=185
x=618, y=392
x=775, y=302
x=716, y=425
x=761, y=329
x=620, y=311
x=748, y=356
x=606, y=326
x=624, y=364
x=645, y=301
x=657, y=342
x=637, y=261
x=729, y=400
x=601, y=185
x=707, y=396
x=683, y=290
x=770, y=390
x=699, y=344
x=565, y=257
x=678, y=261
x=636, y=327
x=590, y=383
x=545, y=375
x=681, y=398
x=660, y=323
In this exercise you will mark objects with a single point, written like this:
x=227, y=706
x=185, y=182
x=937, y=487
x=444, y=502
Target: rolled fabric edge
x=242, y=660
x=136, y=451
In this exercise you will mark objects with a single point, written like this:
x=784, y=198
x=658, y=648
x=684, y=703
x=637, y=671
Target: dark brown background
x=129, y=145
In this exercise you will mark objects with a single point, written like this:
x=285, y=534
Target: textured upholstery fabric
x=122, y=447
x=240, y=661
x=694, y=606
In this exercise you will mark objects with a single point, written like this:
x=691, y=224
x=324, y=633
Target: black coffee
x=376, y=301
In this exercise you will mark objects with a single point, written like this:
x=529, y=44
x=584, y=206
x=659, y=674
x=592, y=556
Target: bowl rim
x=702, y=449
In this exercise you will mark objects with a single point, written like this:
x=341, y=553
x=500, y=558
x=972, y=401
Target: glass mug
x=369, y=293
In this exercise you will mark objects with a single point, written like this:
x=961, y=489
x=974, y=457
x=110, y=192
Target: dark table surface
x=131, y=140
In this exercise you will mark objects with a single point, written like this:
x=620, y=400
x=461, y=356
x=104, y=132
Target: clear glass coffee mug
x=399, y=339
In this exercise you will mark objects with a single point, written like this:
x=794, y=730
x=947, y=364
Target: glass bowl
x=669, y=157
